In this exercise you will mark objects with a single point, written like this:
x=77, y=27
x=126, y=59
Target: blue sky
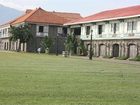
x=85, y=7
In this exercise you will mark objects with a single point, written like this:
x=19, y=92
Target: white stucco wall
x=4, y=31
x=122, y=33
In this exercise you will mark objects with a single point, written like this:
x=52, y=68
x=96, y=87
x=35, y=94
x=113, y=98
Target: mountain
x=7, y=14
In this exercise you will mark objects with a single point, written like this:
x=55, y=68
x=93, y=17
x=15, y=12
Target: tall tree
x=22, y=33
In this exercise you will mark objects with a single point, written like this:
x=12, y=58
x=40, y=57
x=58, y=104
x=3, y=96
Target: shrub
x=109, y=57
x=122, y=58
x=137, y=58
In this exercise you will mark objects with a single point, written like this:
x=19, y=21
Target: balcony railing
x=42, y=34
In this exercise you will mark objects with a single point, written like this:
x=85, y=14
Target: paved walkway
x=111, y=60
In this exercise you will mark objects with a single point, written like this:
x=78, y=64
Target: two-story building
x=115, y=32
x=43, y=23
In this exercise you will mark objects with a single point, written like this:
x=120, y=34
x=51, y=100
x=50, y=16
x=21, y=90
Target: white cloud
x=23, y=4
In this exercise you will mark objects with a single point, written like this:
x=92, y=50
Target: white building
x=115, y=32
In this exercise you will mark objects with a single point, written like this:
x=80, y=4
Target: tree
x=46, y=43
x=71, y=44
x=82, y=48
x=21, y=33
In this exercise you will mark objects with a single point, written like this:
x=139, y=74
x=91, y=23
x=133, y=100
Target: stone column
x=138, y=49
x=107, y=48
x=123, y=50
x=97, y=49
x=120, y=50
x=111, y=49
x=126, y=50
x=94, y=49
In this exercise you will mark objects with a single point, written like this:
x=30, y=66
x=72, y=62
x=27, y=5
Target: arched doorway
x=132, y=51
x=102, y=50
x=115, y=50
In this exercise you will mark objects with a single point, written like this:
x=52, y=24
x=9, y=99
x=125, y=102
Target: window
x=131, y=25
x=41, y=28
x=100, y=29
x=114, y=27
x=77, y=31
x=59, y=30
x=65, y=30
x=87, y=30
x=134, y=25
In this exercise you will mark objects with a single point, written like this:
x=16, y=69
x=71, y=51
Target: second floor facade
x=110, y=29
x=4, y=31
x=121, y=23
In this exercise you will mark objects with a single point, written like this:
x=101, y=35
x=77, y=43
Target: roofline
x=31, y=13
x=100, y=20
x=65, y=12
x=45, y=23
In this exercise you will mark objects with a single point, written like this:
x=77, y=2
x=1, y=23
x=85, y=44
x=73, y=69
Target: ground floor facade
x=32, y=46
x=115, y=48
x=5, y=44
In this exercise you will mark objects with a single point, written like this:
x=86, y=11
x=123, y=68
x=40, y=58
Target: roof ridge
x=31, y=13
x=63, y=12
x=57, y=15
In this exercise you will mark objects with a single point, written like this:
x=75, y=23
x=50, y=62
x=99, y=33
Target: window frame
x=88, y=28
x=41, y=30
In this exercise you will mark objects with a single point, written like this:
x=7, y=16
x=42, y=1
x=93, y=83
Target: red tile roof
x=110, y=15
x=68, y=16
x=41, y=16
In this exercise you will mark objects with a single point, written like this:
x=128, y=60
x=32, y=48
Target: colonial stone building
x=43, y=23
x=114, y=33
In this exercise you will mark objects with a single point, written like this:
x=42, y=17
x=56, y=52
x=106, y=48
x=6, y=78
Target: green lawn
x=33, y=79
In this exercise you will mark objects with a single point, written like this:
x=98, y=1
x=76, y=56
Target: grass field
x=33, y=79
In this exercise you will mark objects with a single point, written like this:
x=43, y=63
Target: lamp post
x=91, y=53
x=57, y=44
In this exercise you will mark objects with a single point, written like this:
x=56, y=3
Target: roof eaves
x=100, y=20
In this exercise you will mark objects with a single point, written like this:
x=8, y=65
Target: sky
x=84, y=7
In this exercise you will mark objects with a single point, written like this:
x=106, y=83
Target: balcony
x=43, y=34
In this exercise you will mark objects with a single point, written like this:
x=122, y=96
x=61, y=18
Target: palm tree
x=21, y=33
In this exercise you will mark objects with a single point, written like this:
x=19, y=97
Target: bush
x=122, y=58
x=109, y=57
x=137, y=58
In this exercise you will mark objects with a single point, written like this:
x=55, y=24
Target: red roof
x=110, y=14
x=68, y=16
x=41, y=16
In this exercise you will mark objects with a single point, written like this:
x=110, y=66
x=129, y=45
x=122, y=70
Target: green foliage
x=71, y=43
x=109, y=57
x=47, y=42
x=37, y=79
x=137, y=58
x=82, y=48
x=22, y=33
x=122, y=58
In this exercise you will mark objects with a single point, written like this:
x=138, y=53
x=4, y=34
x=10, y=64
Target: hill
x=8, y=14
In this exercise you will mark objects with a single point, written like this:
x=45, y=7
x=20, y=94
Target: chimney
x=28, y=11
